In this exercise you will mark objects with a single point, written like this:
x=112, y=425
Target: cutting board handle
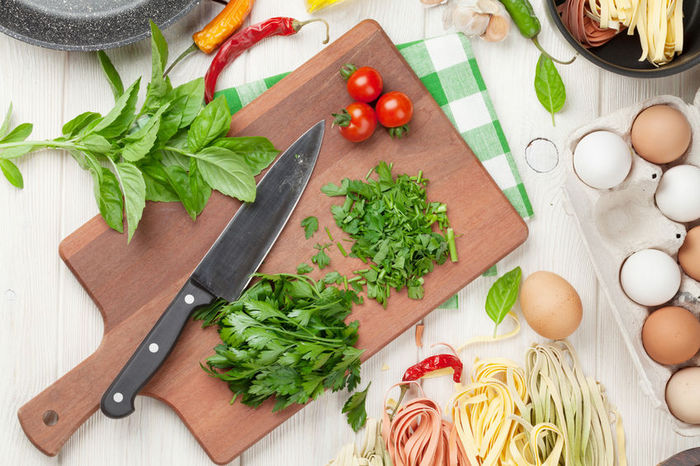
x=52, y=416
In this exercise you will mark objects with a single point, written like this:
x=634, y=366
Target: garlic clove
x=497, y=29
x=470, y=22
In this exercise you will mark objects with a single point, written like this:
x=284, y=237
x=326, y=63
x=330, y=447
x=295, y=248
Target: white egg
x=650, y=277
x=678, y=194
x=602, y=159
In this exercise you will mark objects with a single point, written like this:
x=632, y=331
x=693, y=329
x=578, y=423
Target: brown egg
x=551, y=306
x=671, y=335
x=689, y=254
x=682, y=395
x=660, y=134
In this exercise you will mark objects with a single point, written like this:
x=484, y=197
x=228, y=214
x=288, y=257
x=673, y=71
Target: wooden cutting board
x=133, y=284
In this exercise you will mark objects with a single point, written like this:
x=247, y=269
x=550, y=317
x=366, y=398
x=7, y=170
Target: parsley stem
x=452, y=245
x=341, y=249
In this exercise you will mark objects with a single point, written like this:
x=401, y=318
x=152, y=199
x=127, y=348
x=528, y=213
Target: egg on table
x=689, y=254
x=660, y=134
x=650, y=277
x=602, y=159
x=551, y=306
x=682, y=397
x=678, y=194
x=671, y=335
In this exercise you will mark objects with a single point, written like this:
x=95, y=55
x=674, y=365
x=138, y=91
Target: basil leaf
x=120, y=118
x=5, y=126
x=108, y=195
x=73, y=127
x=159, y=87
x=12, y=173
x=224, y=171
x=502, y=295
x=17, y=151
x=158, y=187
x=96, y=143
x=191, y=98
x=310, y=226
x=111, y=73
x=159, y=49
x=258, y=152
x=199, y=191
x=169, y=158
x=212, y=122
x=549, y=87
x=139, y=143
x=20, y=133
x=169, y=125
x=134, y=190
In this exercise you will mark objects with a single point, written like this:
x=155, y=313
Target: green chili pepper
x=528, y=24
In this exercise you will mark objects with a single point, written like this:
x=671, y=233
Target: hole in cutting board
x=50, y=417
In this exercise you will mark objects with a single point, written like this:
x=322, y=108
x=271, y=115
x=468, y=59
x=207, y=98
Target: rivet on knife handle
x=118, y=400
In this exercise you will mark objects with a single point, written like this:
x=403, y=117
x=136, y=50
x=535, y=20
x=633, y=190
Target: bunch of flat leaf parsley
x=391, y=223
x=286, y=337
x=172, y=149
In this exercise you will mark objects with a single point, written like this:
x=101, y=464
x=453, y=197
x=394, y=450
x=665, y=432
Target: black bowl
x=621, y=54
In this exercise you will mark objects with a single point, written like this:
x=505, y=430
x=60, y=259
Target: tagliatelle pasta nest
x=659, y=24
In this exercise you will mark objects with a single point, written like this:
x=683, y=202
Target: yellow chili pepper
x=313, y=5
x=223, y=25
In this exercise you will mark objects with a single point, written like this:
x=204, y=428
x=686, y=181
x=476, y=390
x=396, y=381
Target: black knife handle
x=118, y=400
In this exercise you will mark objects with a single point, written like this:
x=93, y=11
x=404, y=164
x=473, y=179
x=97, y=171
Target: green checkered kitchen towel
x=447, y=67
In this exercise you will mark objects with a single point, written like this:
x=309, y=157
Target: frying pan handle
x=118, y=400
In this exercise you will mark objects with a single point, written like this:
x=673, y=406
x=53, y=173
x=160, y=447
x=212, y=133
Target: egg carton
x=617, y=222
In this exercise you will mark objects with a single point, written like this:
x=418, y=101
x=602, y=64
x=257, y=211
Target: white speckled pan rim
x=175, y=11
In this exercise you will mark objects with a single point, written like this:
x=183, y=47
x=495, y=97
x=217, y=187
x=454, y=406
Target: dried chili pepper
x=218, y=30
x=223, y=25
x=425, y=368
x=246, y=38
x=432, y=364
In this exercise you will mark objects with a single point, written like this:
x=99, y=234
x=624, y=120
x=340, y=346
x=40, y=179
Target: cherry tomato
x=394, y=109
x=364, y=84
x=356, y=122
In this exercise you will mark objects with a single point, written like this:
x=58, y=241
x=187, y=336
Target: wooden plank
x=137, y=282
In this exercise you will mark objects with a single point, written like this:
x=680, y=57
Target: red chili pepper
x=246, y=38
x=433, y=363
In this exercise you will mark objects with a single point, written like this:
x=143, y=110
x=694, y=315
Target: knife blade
x=226, y=269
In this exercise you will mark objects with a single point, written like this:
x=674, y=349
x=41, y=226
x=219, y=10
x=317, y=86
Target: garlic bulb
x=484, y=18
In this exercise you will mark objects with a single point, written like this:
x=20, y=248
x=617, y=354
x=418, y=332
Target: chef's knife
x=226, y=269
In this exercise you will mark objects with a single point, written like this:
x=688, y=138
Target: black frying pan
x=87, y=24
x=621, y=54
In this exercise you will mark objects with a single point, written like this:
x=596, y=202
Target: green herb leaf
x=354, y=409
x=188, y=100
x=159, y=87
x=139, y=143
x=108, y=195
x=158, y=185
x=96, y=143
x=304, y=268
x=111, y=73
x=212, y=122
x=549, y=86
x=159, y=48
x=20, y=133
x=310, y=226
x=74, y=126
x=12, y=173
x=502, y=295
x=134, y=190
x=333, y=277
x=227, y=173
x=258, y=152
x=332, y=190
x=120, y=118
x=321, y=259
x=5, y=126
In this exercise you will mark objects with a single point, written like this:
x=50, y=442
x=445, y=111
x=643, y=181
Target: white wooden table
x=50, y=324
